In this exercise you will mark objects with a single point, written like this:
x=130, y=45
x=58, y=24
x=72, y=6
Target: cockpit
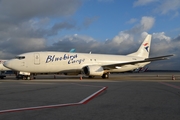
x=20, y=57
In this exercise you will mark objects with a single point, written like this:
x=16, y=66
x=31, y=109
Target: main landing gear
x=25, y=77
x=105, y=76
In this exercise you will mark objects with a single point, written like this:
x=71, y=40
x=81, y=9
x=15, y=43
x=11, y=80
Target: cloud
x=61, y=26
x=27, y=25
x=163, y=6
x=168, y=6
x=161, y=36
x=22, y=10
x=89, y=21
x=145, y=24
x=30, y=35
x=81, y=43
x=124, y=38
x=21, y=45
x=127, y=37
x=131, y=21
x=163, y=45
x=18, y=13
x=143, y=2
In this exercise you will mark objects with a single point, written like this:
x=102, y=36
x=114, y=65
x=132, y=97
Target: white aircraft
x=29, y=64
x=2, y=69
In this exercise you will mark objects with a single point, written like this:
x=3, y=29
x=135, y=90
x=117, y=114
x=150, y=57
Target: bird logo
x=146, y=46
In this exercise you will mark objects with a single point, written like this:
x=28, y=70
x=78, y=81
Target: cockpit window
x=20, y=57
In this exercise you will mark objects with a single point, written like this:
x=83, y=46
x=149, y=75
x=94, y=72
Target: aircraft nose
x=7, y=64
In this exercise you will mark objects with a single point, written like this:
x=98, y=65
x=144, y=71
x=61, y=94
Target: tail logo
x=146, y=47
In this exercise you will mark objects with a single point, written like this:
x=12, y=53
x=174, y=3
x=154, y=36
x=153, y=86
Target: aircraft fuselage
x=54, y=62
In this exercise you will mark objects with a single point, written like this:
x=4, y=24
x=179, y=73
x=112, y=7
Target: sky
x=100, y=26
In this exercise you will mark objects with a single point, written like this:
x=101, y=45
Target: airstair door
x=36, y=59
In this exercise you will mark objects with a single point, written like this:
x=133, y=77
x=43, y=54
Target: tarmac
x=124, y=96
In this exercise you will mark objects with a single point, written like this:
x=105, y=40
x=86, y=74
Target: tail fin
x=72, y=50
x=144, y=49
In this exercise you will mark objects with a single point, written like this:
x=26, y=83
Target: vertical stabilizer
x=144, y=49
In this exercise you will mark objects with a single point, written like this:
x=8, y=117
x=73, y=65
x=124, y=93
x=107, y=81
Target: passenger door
x=36, y=59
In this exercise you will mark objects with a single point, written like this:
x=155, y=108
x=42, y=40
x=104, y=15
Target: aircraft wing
x=114, y=66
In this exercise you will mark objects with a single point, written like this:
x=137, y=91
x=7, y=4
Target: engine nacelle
x=93, y=70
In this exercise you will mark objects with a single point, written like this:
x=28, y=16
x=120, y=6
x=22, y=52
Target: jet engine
x=93, y=70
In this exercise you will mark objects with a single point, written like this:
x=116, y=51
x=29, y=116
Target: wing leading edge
x=114, y=66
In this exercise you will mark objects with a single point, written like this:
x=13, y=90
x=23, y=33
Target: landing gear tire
x=105, y=76
x=28, y=78
x=24, y=77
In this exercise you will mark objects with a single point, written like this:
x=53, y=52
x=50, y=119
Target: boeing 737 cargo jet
x=32, y=63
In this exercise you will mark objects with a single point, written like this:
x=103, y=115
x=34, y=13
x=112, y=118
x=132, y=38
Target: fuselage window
x=20, y=57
